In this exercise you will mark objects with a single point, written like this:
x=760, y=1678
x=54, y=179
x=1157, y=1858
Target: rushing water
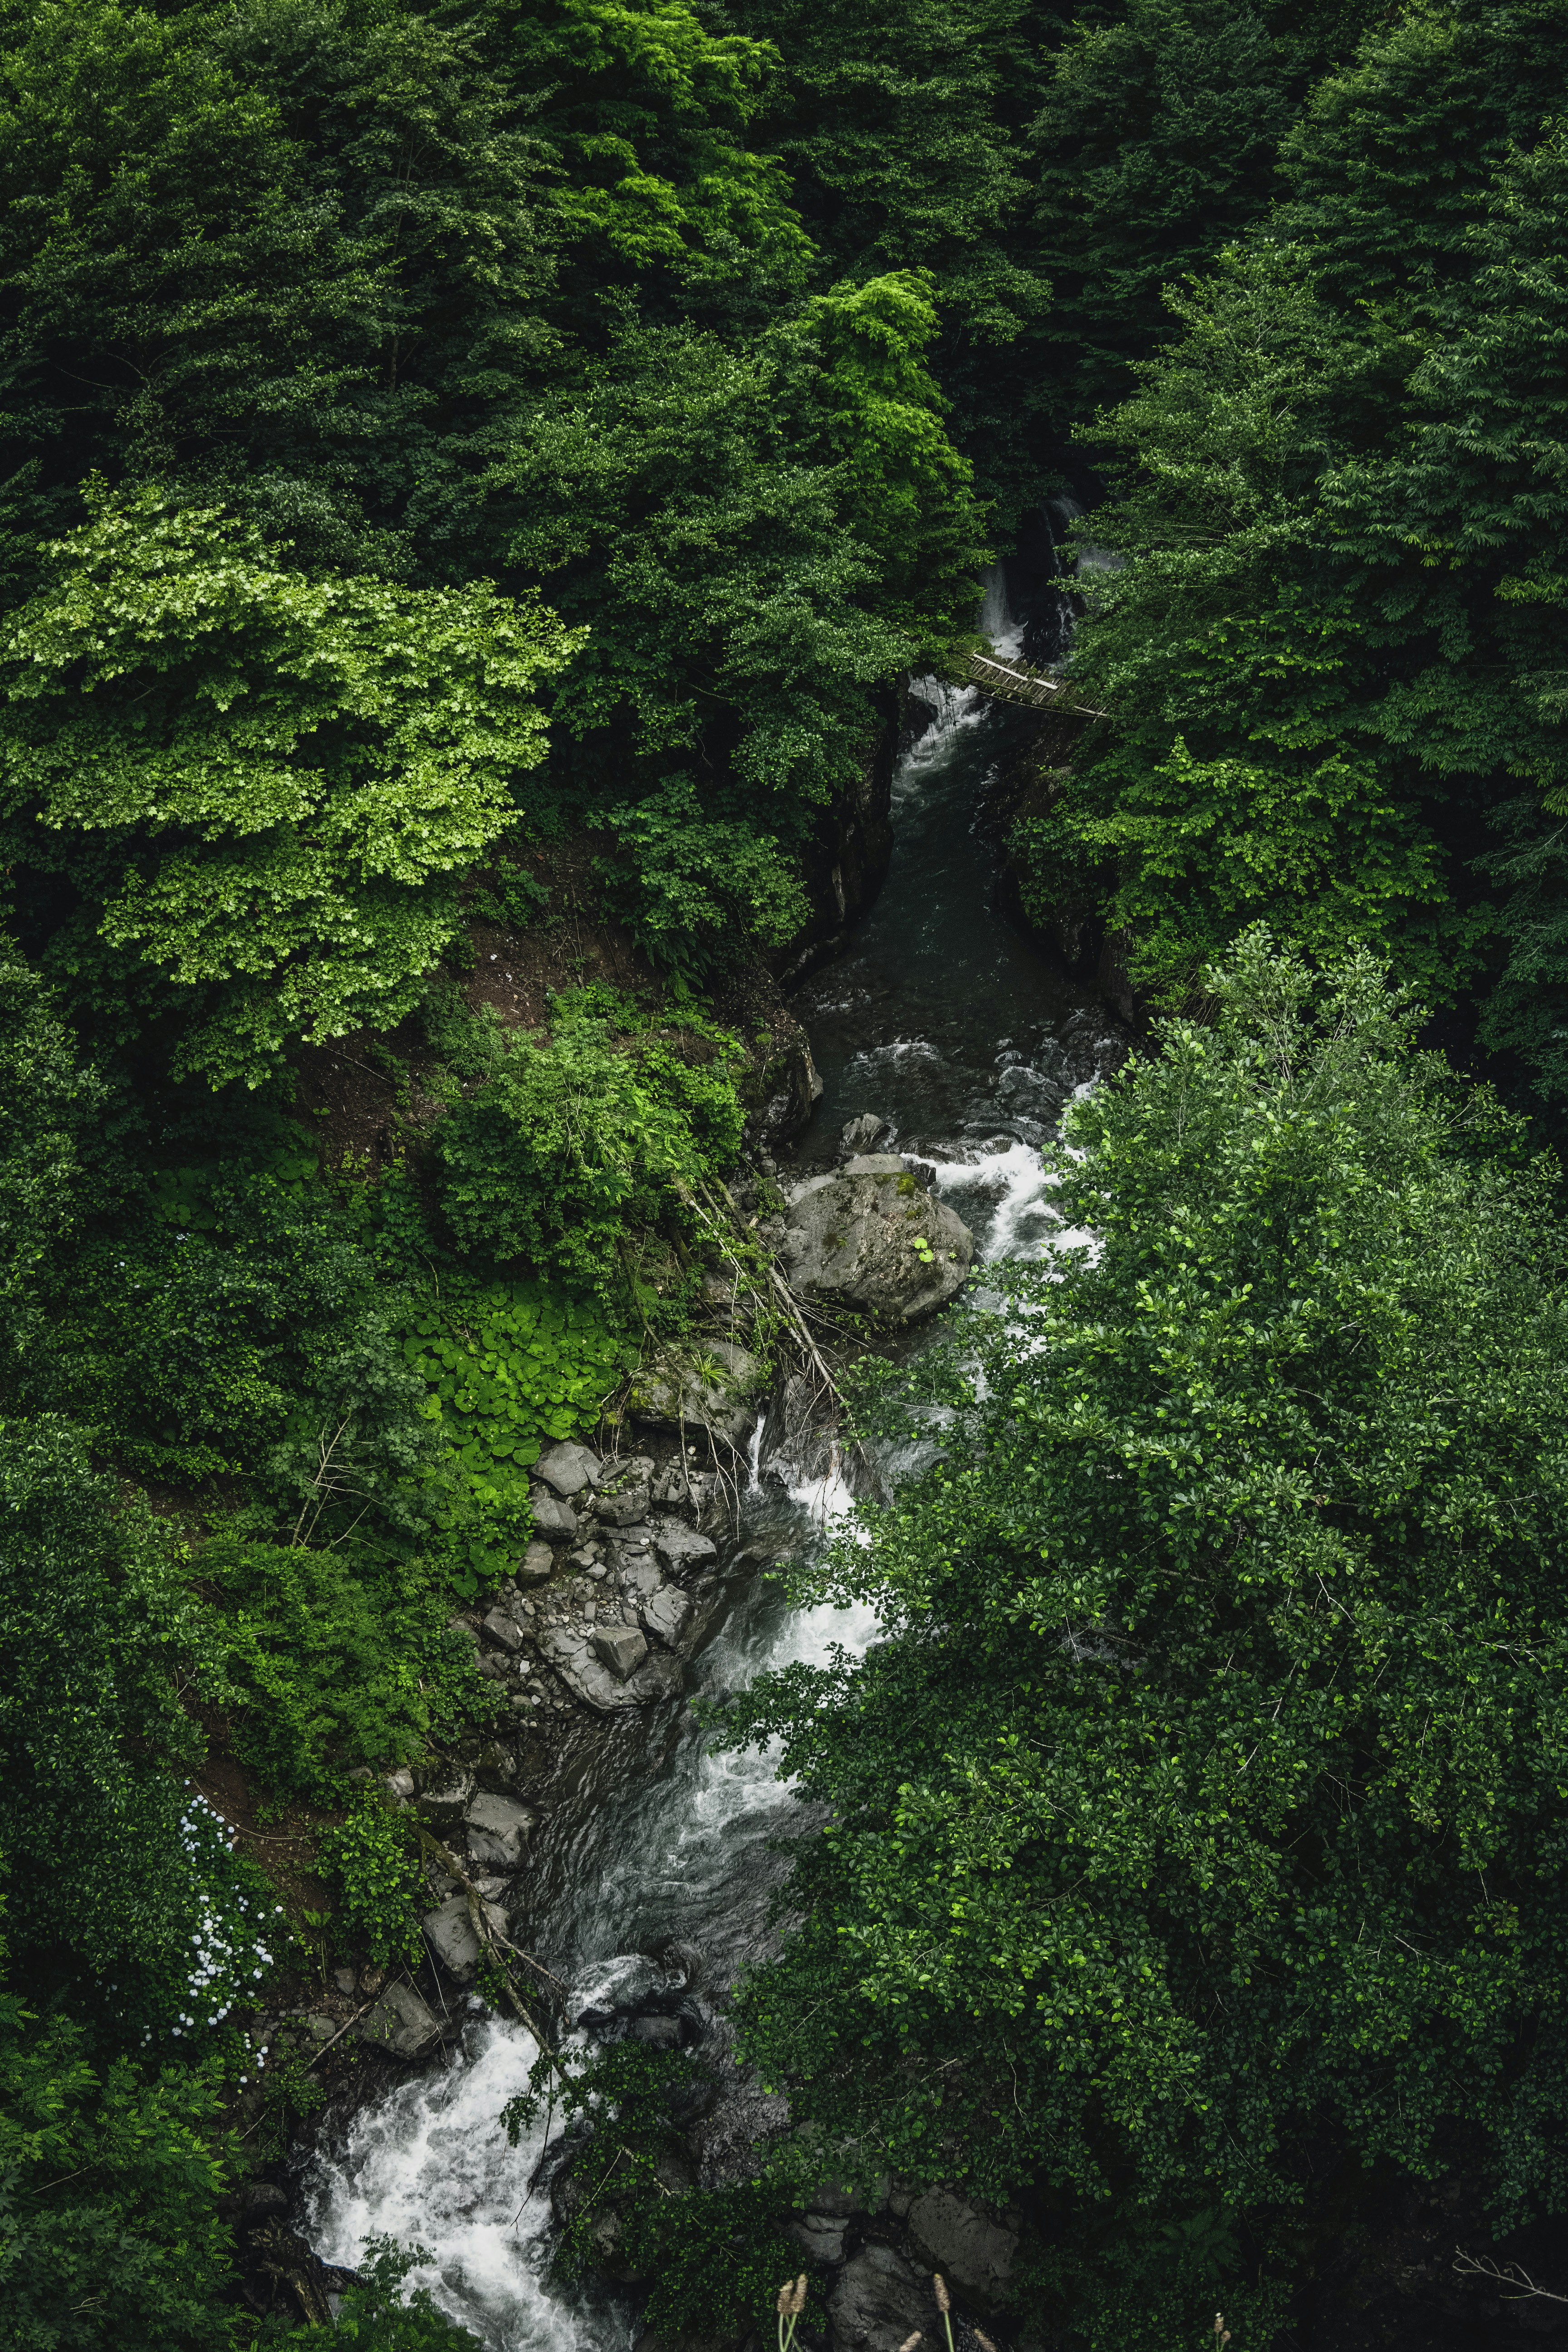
x=959, y=1035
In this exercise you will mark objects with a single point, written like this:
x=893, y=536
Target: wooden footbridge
x=1020, y=682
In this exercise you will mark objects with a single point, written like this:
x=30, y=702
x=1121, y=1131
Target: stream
x=961, y=1037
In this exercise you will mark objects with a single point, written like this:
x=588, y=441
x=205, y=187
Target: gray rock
x=861, y=1134
x=821, y=2235
x=682, y=1546
x=668, y=1615
x=556, y=1520
x=878, y=2301
x=261, y=2198
x=400, y=2022
x=654, y=2032
x=623, y=1510
x=497, y=1829
x=536, y=1563
x=854, y=1238
x=502, y=1627
x=399, y=1783
x=963, y=2243
x=622, y=1648
x=568, y=1468
x=444, y=1790
x=709, y=1384
x=570, y=1650
x=449, y=1932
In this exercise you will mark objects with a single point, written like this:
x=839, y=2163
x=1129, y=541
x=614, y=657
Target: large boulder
x=963, y=2243
x=878, y=2301
x=621, y=1648
x=450, y=1934
x=400, y=2022
x=876, y=1239
x=568, y=1468
x=497, y=1827
x=570, y=1650
x=554, y=1520
x=708, y=1385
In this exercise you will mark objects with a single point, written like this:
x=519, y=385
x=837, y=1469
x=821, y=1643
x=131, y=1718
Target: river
x=961, y=1036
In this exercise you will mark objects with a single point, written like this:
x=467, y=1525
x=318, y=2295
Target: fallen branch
x=1510, y=2275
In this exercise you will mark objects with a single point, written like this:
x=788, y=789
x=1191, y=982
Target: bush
x=109, y=2238
x=373, y=1858
x=334, y=1660
x=574, y=1136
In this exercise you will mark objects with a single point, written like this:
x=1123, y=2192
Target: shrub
x=334, y=1659
x=574, y=1136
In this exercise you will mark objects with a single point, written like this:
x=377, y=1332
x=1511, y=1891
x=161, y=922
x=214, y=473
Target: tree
x=47, y=1099
x=1156, y=143
x=289, y=772
x=756, y=541
x=1193, y=1829
x=1325, y=651
x=110, y=2236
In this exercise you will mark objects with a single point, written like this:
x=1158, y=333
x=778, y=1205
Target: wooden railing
x=1019, y=682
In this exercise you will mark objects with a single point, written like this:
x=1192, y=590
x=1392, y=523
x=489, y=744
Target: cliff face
x=848, y=860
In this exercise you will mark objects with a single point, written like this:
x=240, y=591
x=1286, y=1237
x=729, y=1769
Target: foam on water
x=431, y=2166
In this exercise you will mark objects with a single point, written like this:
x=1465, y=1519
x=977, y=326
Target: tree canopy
x=1191, y=1830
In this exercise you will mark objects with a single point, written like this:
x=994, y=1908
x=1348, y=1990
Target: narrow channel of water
x=960, y=1035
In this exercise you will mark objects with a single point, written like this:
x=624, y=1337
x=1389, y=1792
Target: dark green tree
x=1193, y=1829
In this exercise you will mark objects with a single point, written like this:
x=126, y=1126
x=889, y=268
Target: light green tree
x=263, y=783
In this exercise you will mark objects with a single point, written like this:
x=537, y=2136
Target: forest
x=477, y=486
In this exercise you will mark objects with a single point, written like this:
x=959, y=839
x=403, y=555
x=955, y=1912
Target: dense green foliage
x=498, y=470
x=134, y=2251
x=571, y=1137
x=711, y=2258
x=1330, y=653
x=1197, y=1825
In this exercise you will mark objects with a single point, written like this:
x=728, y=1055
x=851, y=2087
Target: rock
x=963, y=2243
x=502, y=1627
x=444, y=1790
x=821, y=2235
x=874, y=1239
x=344, y=1981
x=260, y=2197
x=622, y=1648
x=497, y=1827
x=656, y=2032
x=861, y=1134
x=536, y=1563
x=320, y=2026
x=681, y=1547
x=568, y=1468
x=570, y=1650
x=449, y=1932
x=710, y=1385
x=400, y=2022
x=668, y=1615
x=556, y=1520
x=878, y=2301
x=624, y=1510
